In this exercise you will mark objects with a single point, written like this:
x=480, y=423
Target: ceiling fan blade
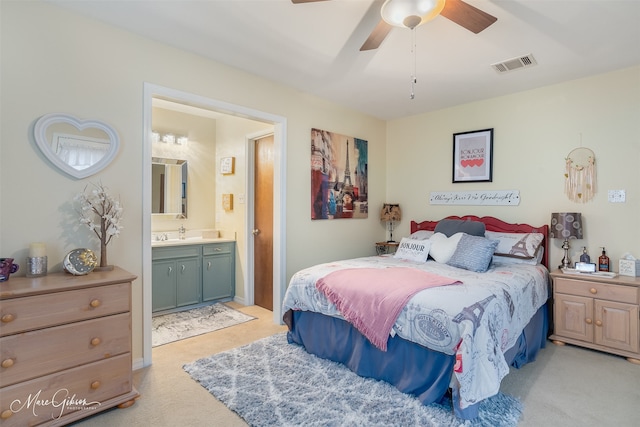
x=377, y=36
x=467, y=16
x=305, y=1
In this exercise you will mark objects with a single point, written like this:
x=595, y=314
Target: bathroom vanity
x=192, y=272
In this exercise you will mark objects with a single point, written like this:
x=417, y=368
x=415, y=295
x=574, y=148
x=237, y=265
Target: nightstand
x=597, y=312
x=383, y=248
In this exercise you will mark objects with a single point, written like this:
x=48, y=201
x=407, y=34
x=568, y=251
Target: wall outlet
x=617, y=196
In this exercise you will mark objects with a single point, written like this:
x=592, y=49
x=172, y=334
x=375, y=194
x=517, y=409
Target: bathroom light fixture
x=168, y=138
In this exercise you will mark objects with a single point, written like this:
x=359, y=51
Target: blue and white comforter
x=477, y=321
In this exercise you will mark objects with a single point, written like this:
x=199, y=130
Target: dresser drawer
x=604, y=291
x=38, y=311
x=46, y=398
x=32, y=354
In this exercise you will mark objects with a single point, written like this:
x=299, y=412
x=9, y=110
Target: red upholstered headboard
x=494, y=224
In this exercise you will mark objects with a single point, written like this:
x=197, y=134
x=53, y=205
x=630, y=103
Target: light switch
x=617, y=196
x=240, y=198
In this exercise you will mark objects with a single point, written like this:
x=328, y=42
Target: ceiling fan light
x=410, y=13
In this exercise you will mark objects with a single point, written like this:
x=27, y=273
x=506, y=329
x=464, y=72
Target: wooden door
x=263, y=223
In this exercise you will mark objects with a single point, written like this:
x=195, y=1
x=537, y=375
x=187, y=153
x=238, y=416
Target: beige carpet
x=567, y=386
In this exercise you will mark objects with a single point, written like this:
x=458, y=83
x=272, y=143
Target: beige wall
x=534, y=132
x=55, y=61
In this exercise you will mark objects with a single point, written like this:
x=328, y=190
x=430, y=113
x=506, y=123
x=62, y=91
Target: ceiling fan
x=411, y=13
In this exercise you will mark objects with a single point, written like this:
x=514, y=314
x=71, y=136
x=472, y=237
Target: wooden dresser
x=65, y=347
x=597, y=312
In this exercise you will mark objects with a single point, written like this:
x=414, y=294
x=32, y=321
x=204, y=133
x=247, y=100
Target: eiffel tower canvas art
x=339, y=176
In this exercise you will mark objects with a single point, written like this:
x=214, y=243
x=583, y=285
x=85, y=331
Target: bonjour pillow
x=413, y=250
x=516, y=245
x=473, y=253
x=443, y=247
x=449, y=227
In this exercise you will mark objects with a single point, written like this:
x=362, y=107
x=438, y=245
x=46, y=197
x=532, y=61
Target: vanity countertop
x=188, y=241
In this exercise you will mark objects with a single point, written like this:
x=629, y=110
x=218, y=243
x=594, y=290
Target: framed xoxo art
x=473, y=156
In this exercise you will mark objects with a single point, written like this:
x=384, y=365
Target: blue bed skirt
x=410, y=367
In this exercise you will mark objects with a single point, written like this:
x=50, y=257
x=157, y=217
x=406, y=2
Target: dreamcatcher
x=580, y=182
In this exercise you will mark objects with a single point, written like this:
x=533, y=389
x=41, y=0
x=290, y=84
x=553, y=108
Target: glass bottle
x=603, y=261
x=585, y=256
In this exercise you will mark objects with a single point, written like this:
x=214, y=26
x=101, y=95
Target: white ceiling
x=314, y=47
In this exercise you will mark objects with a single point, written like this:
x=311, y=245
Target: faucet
x=181, y=232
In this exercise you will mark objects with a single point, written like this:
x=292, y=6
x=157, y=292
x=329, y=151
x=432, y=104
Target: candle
x=37, y=250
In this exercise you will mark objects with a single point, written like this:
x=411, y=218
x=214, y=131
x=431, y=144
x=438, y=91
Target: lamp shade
x=566, y=226
x=390, y=212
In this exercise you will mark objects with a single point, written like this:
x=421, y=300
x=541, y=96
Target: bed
x=451, y=342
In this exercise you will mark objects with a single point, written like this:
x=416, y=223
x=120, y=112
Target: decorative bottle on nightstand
x=585, y=256
x=603, y=261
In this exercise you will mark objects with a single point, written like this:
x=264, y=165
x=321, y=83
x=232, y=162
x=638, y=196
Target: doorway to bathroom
x=244, y=201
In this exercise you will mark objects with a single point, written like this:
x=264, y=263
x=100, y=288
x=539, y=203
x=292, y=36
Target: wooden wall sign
x=486, y=198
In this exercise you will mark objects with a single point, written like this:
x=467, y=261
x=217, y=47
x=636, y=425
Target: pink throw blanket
x=371, y=298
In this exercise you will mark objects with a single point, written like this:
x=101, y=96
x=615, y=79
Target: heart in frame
x=79, y=148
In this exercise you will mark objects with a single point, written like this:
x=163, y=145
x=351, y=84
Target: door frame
x=279, y=198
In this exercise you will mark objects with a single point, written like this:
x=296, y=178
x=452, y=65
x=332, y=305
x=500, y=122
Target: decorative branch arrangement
x=102, y=214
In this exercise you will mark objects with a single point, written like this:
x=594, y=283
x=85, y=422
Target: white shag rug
x=273, y=383
x=186, y=324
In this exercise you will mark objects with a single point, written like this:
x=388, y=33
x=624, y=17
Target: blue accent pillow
x=449, y=227
x=473, y=253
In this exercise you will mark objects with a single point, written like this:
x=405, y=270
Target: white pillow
x=516, y=245
x=413, y=250
x=443, y=247
x=421, y=234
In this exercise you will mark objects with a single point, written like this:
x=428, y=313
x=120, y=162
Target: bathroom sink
x=186, y=241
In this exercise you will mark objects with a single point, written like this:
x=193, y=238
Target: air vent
x=515, y=63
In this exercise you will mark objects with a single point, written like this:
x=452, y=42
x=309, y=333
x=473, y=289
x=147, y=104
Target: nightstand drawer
x=604, y=291
x=29, y=313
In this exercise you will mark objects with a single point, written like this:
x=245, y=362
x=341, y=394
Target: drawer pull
x=95, y=385
x=7, y=363
x=6, y=414
x=593, y=291
x=218, y=249
x=183, y=268
x=588, y=321
x=209, y=265
x=95, y=303
x=96, y=341
x=598, y=322
x=170, y=271
x=8, y=318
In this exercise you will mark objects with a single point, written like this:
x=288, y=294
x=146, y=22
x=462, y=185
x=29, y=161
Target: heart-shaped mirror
x=79, y=148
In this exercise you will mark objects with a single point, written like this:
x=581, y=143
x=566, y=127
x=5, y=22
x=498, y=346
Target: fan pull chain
x=413, y=77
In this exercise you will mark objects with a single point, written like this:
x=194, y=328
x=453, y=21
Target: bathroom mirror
x=169, y=187
x=79, y=148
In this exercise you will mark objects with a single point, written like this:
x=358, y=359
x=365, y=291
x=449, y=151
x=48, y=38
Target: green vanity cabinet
x=218, y=271
x=177, y=277
x=191, y=275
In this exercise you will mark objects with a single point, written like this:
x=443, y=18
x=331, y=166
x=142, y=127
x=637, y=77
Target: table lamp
x=566, y=226
x=390, y=212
